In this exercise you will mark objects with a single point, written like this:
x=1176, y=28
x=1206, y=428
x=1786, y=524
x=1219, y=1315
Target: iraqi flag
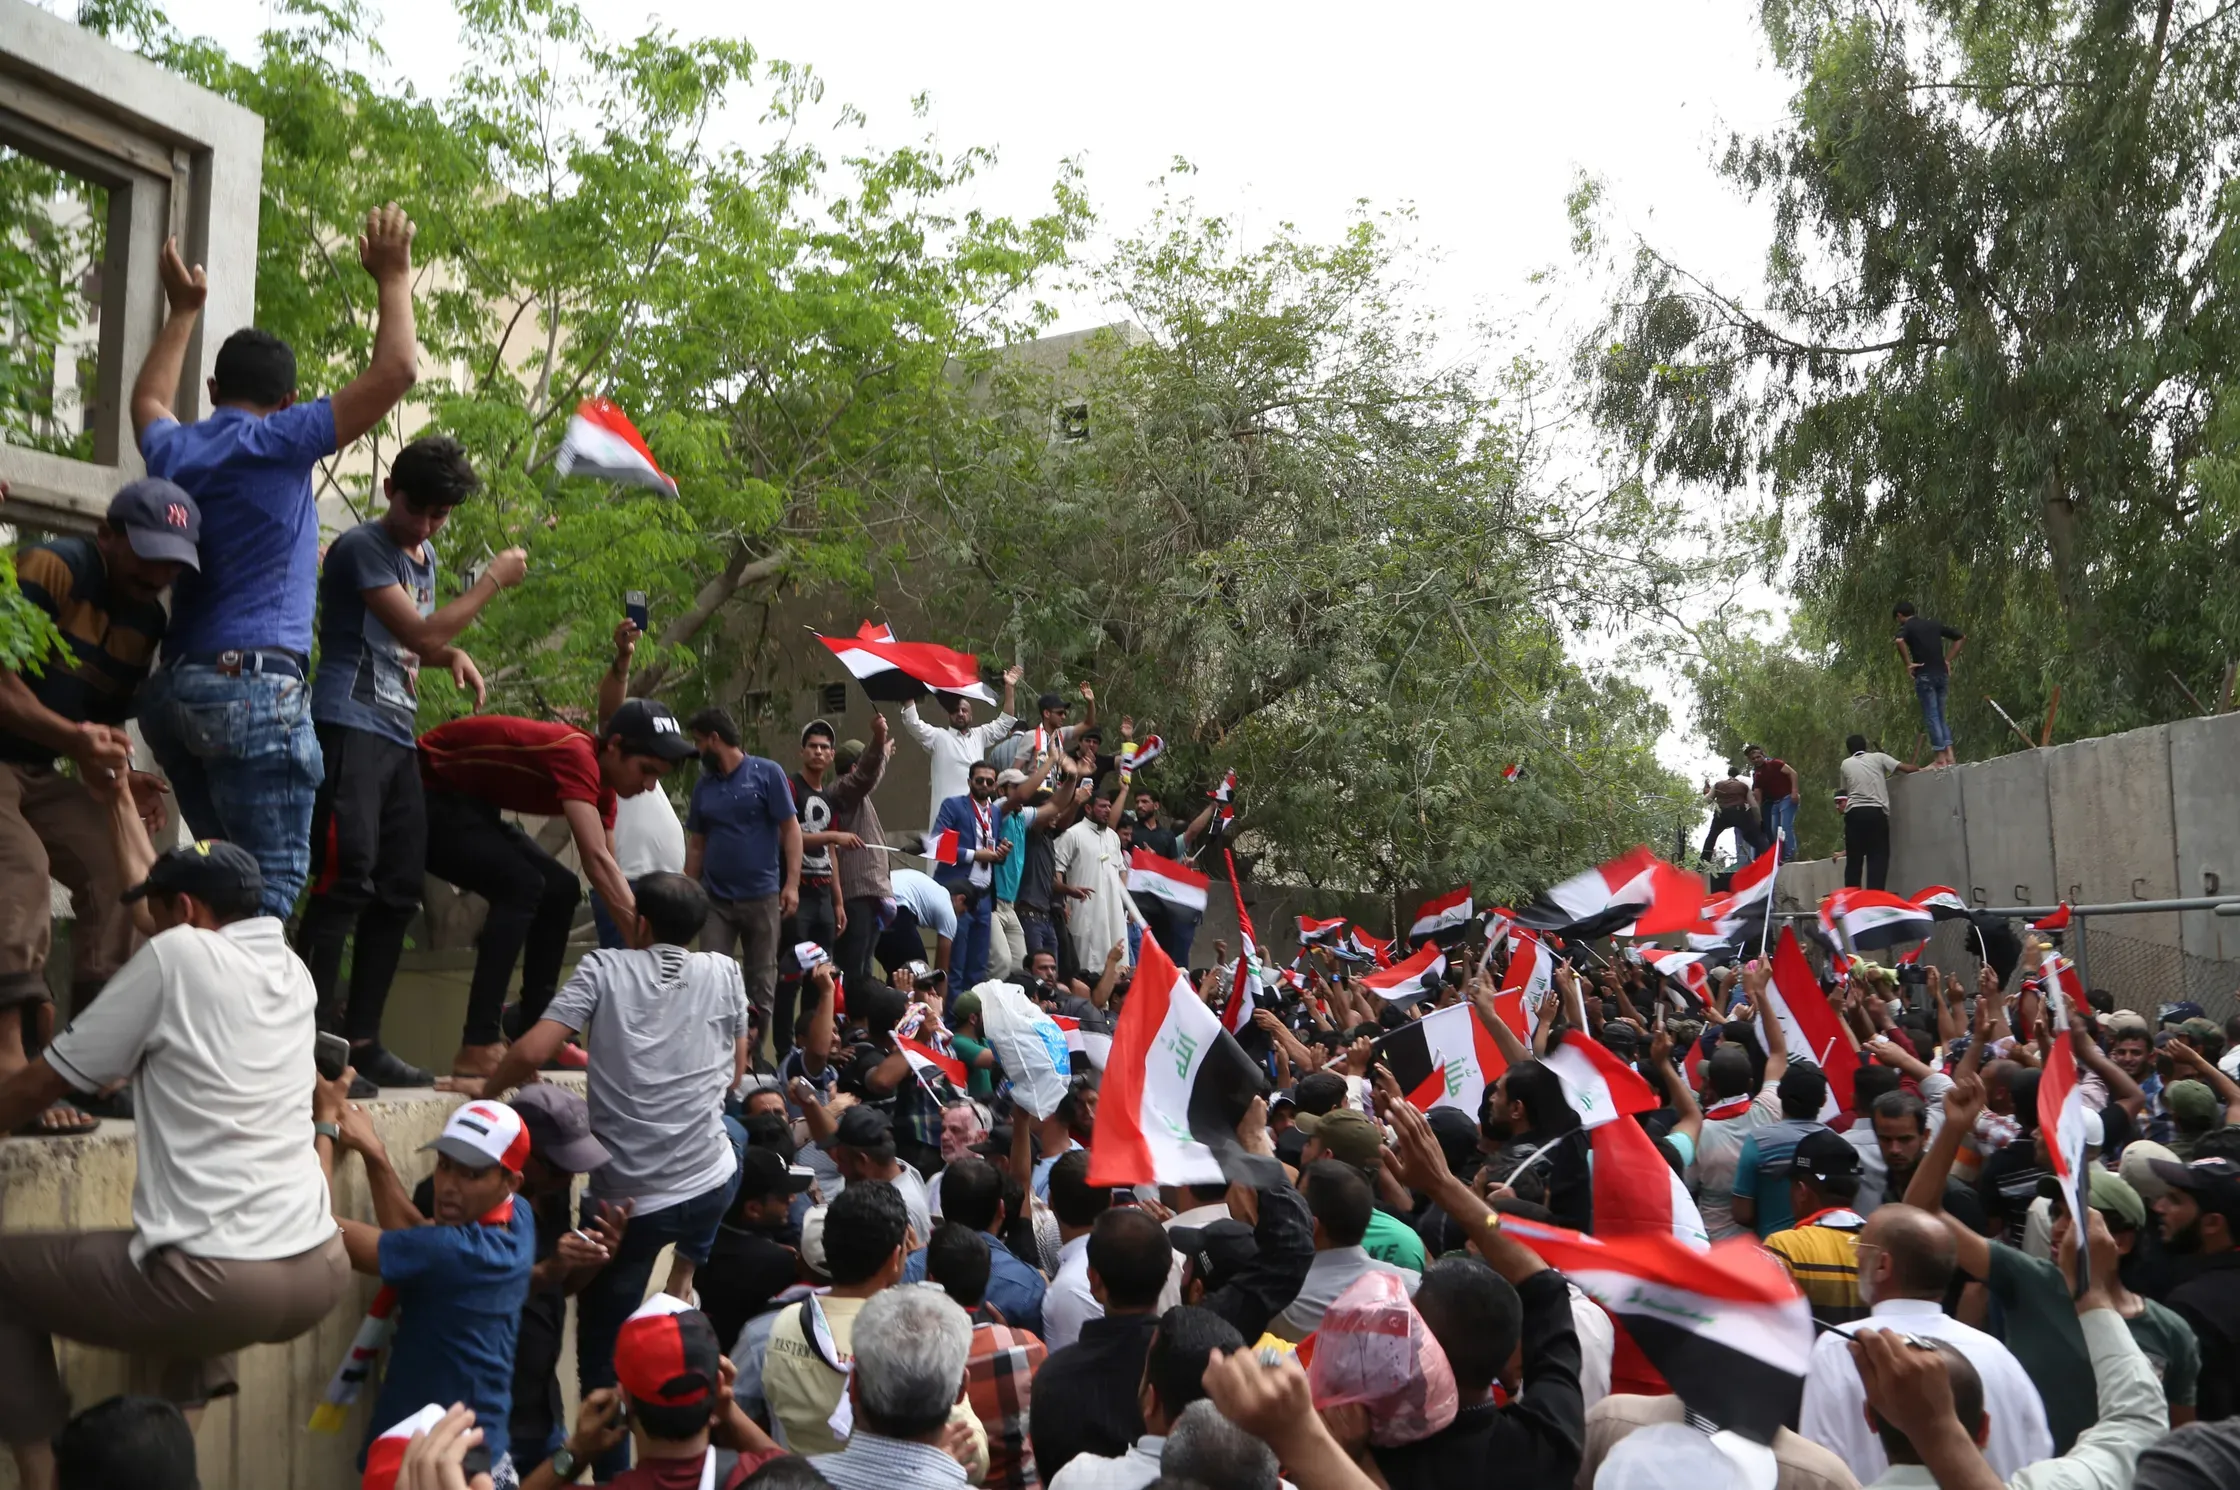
x=1176, y=884
x=893, y=672
x=1226, y=789
x=1236, y=1014
x=1091, y=1046
x=2058, y=921
x=1176, y=1084
x=1511, y=771
x=1314, y=933
x=1942, y=902
x=1683, y=968
x=945, y=848
x=941, y=1074
x=1636, y=1193
x=1366, y=948
x=385, y=1455
x=1813, y=1030
x=1409, y=979
x=602, y=443
x=1444, y=919
x=1866, y=919
x=2061, y=1109
x=1600, y=1087
x=1445, y=1059
x=1637, y=888
x=1726, y=1327
x=1525, y=986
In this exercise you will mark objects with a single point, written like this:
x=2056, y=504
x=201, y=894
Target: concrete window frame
x=176, y=161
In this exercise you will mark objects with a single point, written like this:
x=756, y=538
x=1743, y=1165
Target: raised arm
x=1675, y=1086
x=1482, y=1003
x=916, y=728
x=614, y=683
x=2121, y=1088
x=155, y=393
x=386, y=252
x=2205, y=1070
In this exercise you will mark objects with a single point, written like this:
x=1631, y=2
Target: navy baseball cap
x=159, y=520
x=214, y=872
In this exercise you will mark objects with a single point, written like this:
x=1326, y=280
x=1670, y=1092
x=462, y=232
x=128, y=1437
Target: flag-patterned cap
x=481, y=1134
x=666, y=1354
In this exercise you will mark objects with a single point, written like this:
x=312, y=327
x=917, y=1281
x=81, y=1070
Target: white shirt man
x=1720, y=1145
x=955, y=751
x=1834, y=1402
x=1089, y=858
x=1068, y=1304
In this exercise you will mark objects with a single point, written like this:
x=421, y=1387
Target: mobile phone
x=330, y=1054
x=634, y=606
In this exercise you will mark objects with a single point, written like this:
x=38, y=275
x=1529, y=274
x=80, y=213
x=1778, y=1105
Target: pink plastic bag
x=1374, y=1349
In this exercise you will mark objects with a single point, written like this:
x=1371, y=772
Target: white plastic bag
x=1030, y=1045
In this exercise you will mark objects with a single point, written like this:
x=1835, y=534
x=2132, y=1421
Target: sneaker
x=362, y=1090
x=382, y=1067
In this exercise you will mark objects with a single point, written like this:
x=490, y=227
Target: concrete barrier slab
x=2010, y=838
x=2205, y=807
x=1928, y=832
x=2113, y=838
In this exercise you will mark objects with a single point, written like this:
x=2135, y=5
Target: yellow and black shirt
x=109, y=642
x=1822, y=1254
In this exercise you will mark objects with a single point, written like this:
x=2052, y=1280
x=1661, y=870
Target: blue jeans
x=1781, y=823
x=968, y=956
x=617, y=1289
x=244, y=763
x=1930, y=690
x=1175, y=932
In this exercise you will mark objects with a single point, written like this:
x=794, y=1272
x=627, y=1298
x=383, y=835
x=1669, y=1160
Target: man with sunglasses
x=378, y=626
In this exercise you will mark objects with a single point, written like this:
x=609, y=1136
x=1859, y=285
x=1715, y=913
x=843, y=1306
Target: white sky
x=1480, y=116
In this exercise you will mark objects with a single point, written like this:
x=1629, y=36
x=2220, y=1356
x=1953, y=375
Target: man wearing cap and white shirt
x=667, y=1042
x=460, y=1275
x=478, y=769
x=231, y=1245
x=954, y=750
x=105, y=595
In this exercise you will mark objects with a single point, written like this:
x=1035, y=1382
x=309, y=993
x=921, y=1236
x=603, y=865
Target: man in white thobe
x=1089, y=857
x=955, y=748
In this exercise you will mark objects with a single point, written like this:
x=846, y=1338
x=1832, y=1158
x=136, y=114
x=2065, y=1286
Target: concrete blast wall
x=2153, y=814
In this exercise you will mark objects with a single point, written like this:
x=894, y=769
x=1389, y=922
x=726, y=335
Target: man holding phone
x=378, y=626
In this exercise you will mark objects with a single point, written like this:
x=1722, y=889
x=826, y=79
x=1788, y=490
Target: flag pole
x=1773, y=885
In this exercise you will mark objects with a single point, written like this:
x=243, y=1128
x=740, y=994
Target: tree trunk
x=2061, y=542
x=745, y=568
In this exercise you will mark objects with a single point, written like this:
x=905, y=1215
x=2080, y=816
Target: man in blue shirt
x=460, y=1276
x=743, y=842
x=971, y=817
x=227, y=715
x=1761, y=1170
x=972, y=1195
x=378, y=626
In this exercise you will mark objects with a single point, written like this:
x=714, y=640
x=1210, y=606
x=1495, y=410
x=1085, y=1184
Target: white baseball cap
x=480, y=1134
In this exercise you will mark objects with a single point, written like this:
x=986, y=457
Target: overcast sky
x=1479, y=116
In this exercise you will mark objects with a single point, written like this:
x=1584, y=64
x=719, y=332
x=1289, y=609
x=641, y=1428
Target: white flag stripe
x=1780, y=1335
x=1170, y=1074
x=1583, y=1085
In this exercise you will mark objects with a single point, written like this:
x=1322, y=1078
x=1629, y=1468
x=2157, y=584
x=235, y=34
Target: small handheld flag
x=601, y=442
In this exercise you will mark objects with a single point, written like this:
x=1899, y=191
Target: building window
x=834, y=699
x=1073, y=423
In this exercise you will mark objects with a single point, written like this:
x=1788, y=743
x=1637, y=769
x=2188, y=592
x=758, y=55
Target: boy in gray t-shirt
x=667, y=1039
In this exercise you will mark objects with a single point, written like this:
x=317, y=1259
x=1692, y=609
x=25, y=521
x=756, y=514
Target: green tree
x=1990, y=372
x=1313, y=531
x=786, y=323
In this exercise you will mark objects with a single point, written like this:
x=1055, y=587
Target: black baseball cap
x=559, y=1124
x=762, y=1174
x=159, y=520
x=865, y=1128
x=214, y=872
x=1824, y=1154
x=1217, y=1251
x=648, y=724
x=1049, y=701
x=2216, y=1182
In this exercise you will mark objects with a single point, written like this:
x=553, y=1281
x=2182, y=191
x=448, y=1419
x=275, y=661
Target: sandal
x=59, y=1121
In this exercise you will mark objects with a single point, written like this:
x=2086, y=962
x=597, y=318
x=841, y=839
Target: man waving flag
x=2061, y=1108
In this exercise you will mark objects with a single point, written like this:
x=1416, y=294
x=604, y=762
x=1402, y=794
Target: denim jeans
x=617, y=1289
x=968, y=957
x=244, y=763
x=1781, y=823
x=1930, y=690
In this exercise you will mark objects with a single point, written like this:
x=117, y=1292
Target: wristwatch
x=327, y=1130
x=565, y=1464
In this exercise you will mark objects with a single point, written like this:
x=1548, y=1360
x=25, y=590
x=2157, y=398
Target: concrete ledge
x=257, y=1440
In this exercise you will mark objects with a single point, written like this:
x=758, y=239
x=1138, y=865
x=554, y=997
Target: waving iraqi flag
x=1445, y=1059
x=601, y=442
x=1409, y=979
x=1443, y=919
x=893, y=672
x=1177, y=884
x=1868, y=919
x=1637, y=888
x=1175, y=1086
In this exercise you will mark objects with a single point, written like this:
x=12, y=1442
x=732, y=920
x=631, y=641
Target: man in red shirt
x=1773, y=785
x=479, y=767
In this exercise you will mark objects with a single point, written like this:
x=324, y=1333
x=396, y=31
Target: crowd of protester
x=881, y=1278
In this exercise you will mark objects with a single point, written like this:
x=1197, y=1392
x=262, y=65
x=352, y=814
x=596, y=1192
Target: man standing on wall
x=227, y=715
x=378, y=626
x=743, y=842
x=955, y=749
x=821, y=913
x=1920, y=641
x=1773, y=791
x=1866, y=813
